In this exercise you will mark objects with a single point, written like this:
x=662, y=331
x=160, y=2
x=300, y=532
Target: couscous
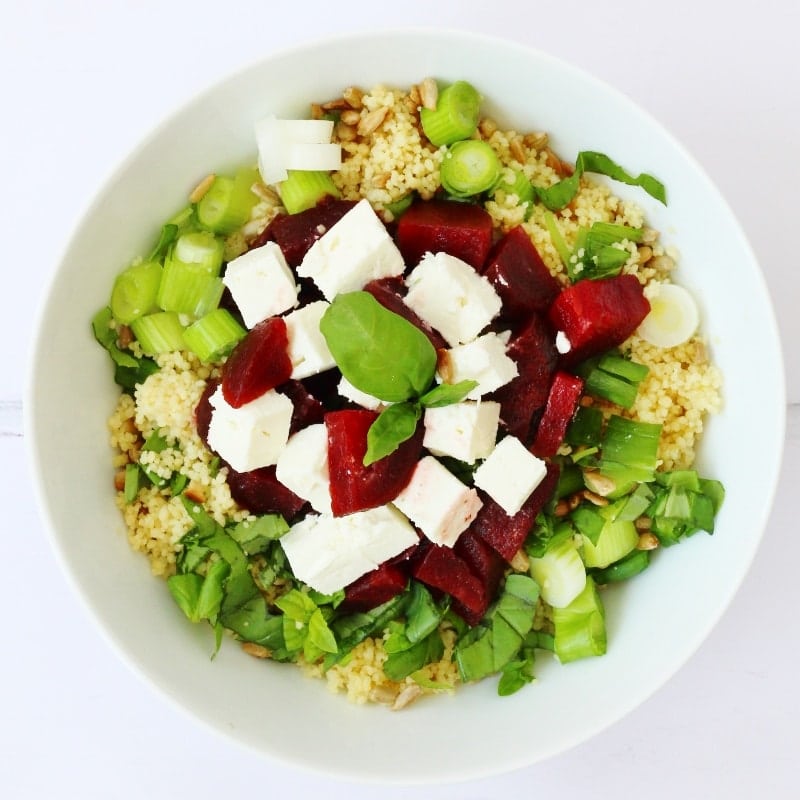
x=173, y=488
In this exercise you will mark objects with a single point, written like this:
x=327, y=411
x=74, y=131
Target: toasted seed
x=350, y=117
x=486, y=127
x=407, y=695
x=119, y=480
x=429, y=93
x=345, y=133
x=383, y=694
x=647, y=541
x=354, y=97
x=414, y=96
x=371, y=121
x=380, y=181
x=520, y=562
x=562, y=508
x=642, y=523
x=645, y=253
x=517, y=149
x=266, y=193
x=256, y=650
x=317, y=112
x=124, y=336
x=339, y=104
x=536, y=141
x=594, y=498
x=598, y=483
x=444, y=365
x=197, y=194
x=195, y=492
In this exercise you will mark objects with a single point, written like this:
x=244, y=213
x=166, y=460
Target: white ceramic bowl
x=655, y=623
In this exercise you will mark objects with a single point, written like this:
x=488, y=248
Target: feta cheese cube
x=466, y=431
x=348, y=391
x=261, y=283
x=354, y=251
x=308, y=350
x=563, y=344
x=329, y=553
x=252, y=435
x=483, y=360
x=451, y=297
x=303, y=467
x=438, y=503
x=510, y=474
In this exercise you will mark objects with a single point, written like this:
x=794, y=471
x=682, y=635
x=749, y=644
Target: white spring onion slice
x=673, y=317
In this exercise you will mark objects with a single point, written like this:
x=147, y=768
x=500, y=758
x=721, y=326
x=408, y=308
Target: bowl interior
x=654, y=624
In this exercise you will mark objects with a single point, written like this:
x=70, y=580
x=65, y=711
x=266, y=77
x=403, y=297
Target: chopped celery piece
x=617, y=538
x=303, y=189
x=134, y=291
x=632, y=564
x=560, y=574
x=455, y=116
x=189, y=289
x=469, y=168
x=580, y=627
x=201, y=248
x=227, y=204
x=161, y=332
x=214, y=335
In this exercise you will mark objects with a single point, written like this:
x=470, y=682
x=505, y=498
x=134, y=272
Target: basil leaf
x=185, y=591
x=423, y=615
x=515, y=675
x=211, y=592
x=255, y=536
x=378, y=351
x=401, y=664
x=446, y=394
x=560, y=194
x=394, y=425
x=320, y=635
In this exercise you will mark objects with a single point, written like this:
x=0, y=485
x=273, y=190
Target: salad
x=400, y=401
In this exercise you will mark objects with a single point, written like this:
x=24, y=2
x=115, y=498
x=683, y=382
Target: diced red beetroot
x=506, y=534
x=533, y=349
x=389, y=293
x=565, y=392
x=261, y=492
x=295, y=233
x=597, y=315
x=460, y=229
x=519, y=276
x=374, y=588
x=355, y=487
x=203, y=410
x=441, y=568
x=484, y=562
x=307, y=409
x=258, y=363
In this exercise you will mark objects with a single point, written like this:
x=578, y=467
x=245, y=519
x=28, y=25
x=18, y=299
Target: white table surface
x=82, y=81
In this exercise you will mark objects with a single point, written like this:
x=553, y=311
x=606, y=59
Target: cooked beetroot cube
x=597, y=315
x=389, y=292
x=565, y=392
x=441, y=568
x=533, y=349
x=374, y=588
x=459, y=229
x=355, y=487
x=484, y=562
x=506, y=534
x=203, y=410
x=307, y=409
x=258, y=363
x=518, y=274
x=260, y=492
x=295, y=233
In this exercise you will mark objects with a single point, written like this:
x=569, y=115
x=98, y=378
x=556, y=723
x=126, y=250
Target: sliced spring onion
x=557, y=237
x=189, y=289
x=160, y=332
x=213, y=335
x=134, y=291
x=560, y=574
x=399, y=206
x=131, y=486
x=634, y=563
x=469, y=168
x=580, y=627
x=227, y=204
x=513, y=181
x=629, y=452
x=673, y=317
x=201, y=248
x=304, y=189
x=586, y=427
x=455, y=116
x=613, y=378
x=617, y=538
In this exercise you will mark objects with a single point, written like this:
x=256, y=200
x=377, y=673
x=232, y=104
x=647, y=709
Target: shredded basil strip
x=560, y=194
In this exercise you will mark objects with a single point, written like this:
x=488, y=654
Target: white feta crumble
x=510, y=474
x=483, y=360
x=261, y=283
x=253, y=435
x=438, y=503
x=563, y=345
x=308, y=350
x=350, y=392
x=329, y=553
x=452, y=297
x=351, y=253
x=303, y=467
x=466, y=431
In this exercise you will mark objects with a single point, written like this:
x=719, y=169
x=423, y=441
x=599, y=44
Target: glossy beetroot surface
x=565, y=392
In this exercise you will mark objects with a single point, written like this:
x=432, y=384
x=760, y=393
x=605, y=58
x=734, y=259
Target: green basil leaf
x=423, y=615
x=185, y=591
x=515, y=675
x=560, y=194
x=296, y=606
x=403, y=663
x=378, y=351
x=446, y=394
x=211, y=592
x=255, y=536
x=394, y=425
x=320, y=635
